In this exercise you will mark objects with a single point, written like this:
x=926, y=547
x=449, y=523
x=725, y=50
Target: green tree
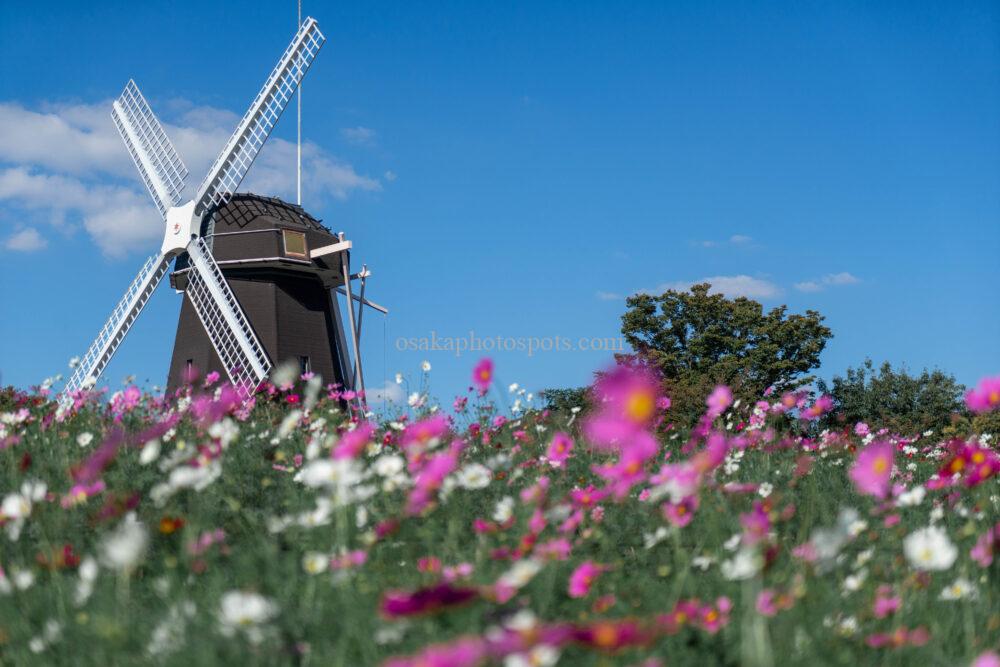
x=894, y=398
x=699, y=340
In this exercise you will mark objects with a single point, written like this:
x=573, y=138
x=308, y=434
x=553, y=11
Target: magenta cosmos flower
x=583, y=578
x=871, y=470
x=559, y=449
x=720, y=399
x=986, y=396
x=398, y=604
x=482, y=374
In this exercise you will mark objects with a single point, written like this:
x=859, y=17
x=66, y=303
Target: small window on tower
x=295, y=243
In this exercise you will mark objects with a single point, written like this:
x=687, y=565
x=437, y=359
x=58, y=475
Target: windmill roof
x=244, y=208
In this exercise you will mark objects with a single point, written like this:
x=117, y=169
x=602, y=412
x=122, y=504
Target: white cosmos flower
x=765, y=489
x=388, y=465
x=504, y=509
x=224, y=431
x=960, y=589
x=930, y=549
x=743, y=565
x=126, y=545
x=425, y=366
x=245, y=612
x=330, y=473
x=474, y=476
x=911, y=497
x=85, y=438
x=542, y=655
x=150, y=452
x=85, y=586
x=520, y=573
x=314, y=562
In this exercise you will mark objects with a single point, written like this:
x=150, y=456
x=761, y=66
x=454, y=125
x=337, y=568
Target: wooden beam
x=329, y=249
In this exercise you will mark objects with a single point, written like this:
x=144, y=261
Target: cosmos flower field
x=291, y=529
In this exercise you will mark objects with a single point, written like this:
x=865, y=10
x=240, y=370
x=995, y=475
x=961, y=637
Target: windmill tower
x=260, y=277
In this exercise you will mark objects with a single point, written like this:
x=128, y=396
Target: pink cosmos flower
x=482, y=375
x=899, y=637
x=680, y=514
x=872, y=468
x=628, y=398
x=756, y=524
x=986, y=546
x=81, y=492
x=988, y=659
x=559, y=449
x=557, y=549
x=713, y=618
x=885, y=602
x=770, y=602
x=719, y=400
x=820, y=407
x=352, y=443
x=429, y=480
x=583, y=578
x=985, y=397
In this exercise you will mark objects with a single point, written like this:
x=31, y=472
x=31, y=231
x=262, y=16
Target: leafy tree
x=698, y=340
x=565, y=399
x=892, y=398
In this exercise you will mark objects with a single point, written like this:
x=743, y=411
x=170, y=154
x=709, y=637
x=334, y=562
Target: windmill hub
x=181, y=228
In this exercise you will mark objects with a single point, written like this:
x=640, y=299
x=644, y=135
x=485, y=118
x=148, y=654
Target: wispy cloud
x=731, y=286
x=390, y=392
x=359, y=136
x=65, y=165
x=609, y=296
x=829, y=280
x=735, y=239
x=26, y=240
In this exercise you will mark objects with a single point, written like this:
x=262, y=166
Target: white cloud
x=66, y=164
x=740, y=239
x=808, y=286
x=359, y=136
x=609, y=296
x=390, y=393
x=731, y=286
x=829, y=280
x=26, y=240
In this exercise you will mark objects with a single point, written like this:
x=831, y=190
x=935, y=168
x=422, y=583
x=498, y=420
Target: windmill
x=302, y=262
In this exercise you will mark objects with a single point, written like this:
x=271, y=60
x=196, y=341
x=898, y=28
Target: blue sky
x=516, y=170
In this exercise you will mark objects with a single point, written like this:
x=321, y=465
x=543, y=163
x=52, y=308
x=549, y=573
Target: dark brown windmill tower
x=284, y=268
x=260, y=277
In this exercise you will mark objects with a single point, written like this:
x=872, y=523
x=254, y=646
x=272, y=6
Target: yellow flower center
x=639, y=406
x=994, y=397
x=880, y=465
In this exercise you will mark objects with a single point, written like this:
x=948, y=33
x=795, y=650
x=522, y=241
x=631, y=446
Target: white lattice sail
x=242, y=148
x=113, y=333
x=234, y=340
x=154, y=156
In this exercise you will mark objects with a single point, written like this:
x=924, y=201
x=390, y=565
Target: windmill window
x=305, y=366
x=295, y=243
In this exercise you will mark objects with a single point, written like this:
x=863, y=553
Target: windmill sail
x=154, y=156
x=240, y=151
x=227, y=327
x=115, y=329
